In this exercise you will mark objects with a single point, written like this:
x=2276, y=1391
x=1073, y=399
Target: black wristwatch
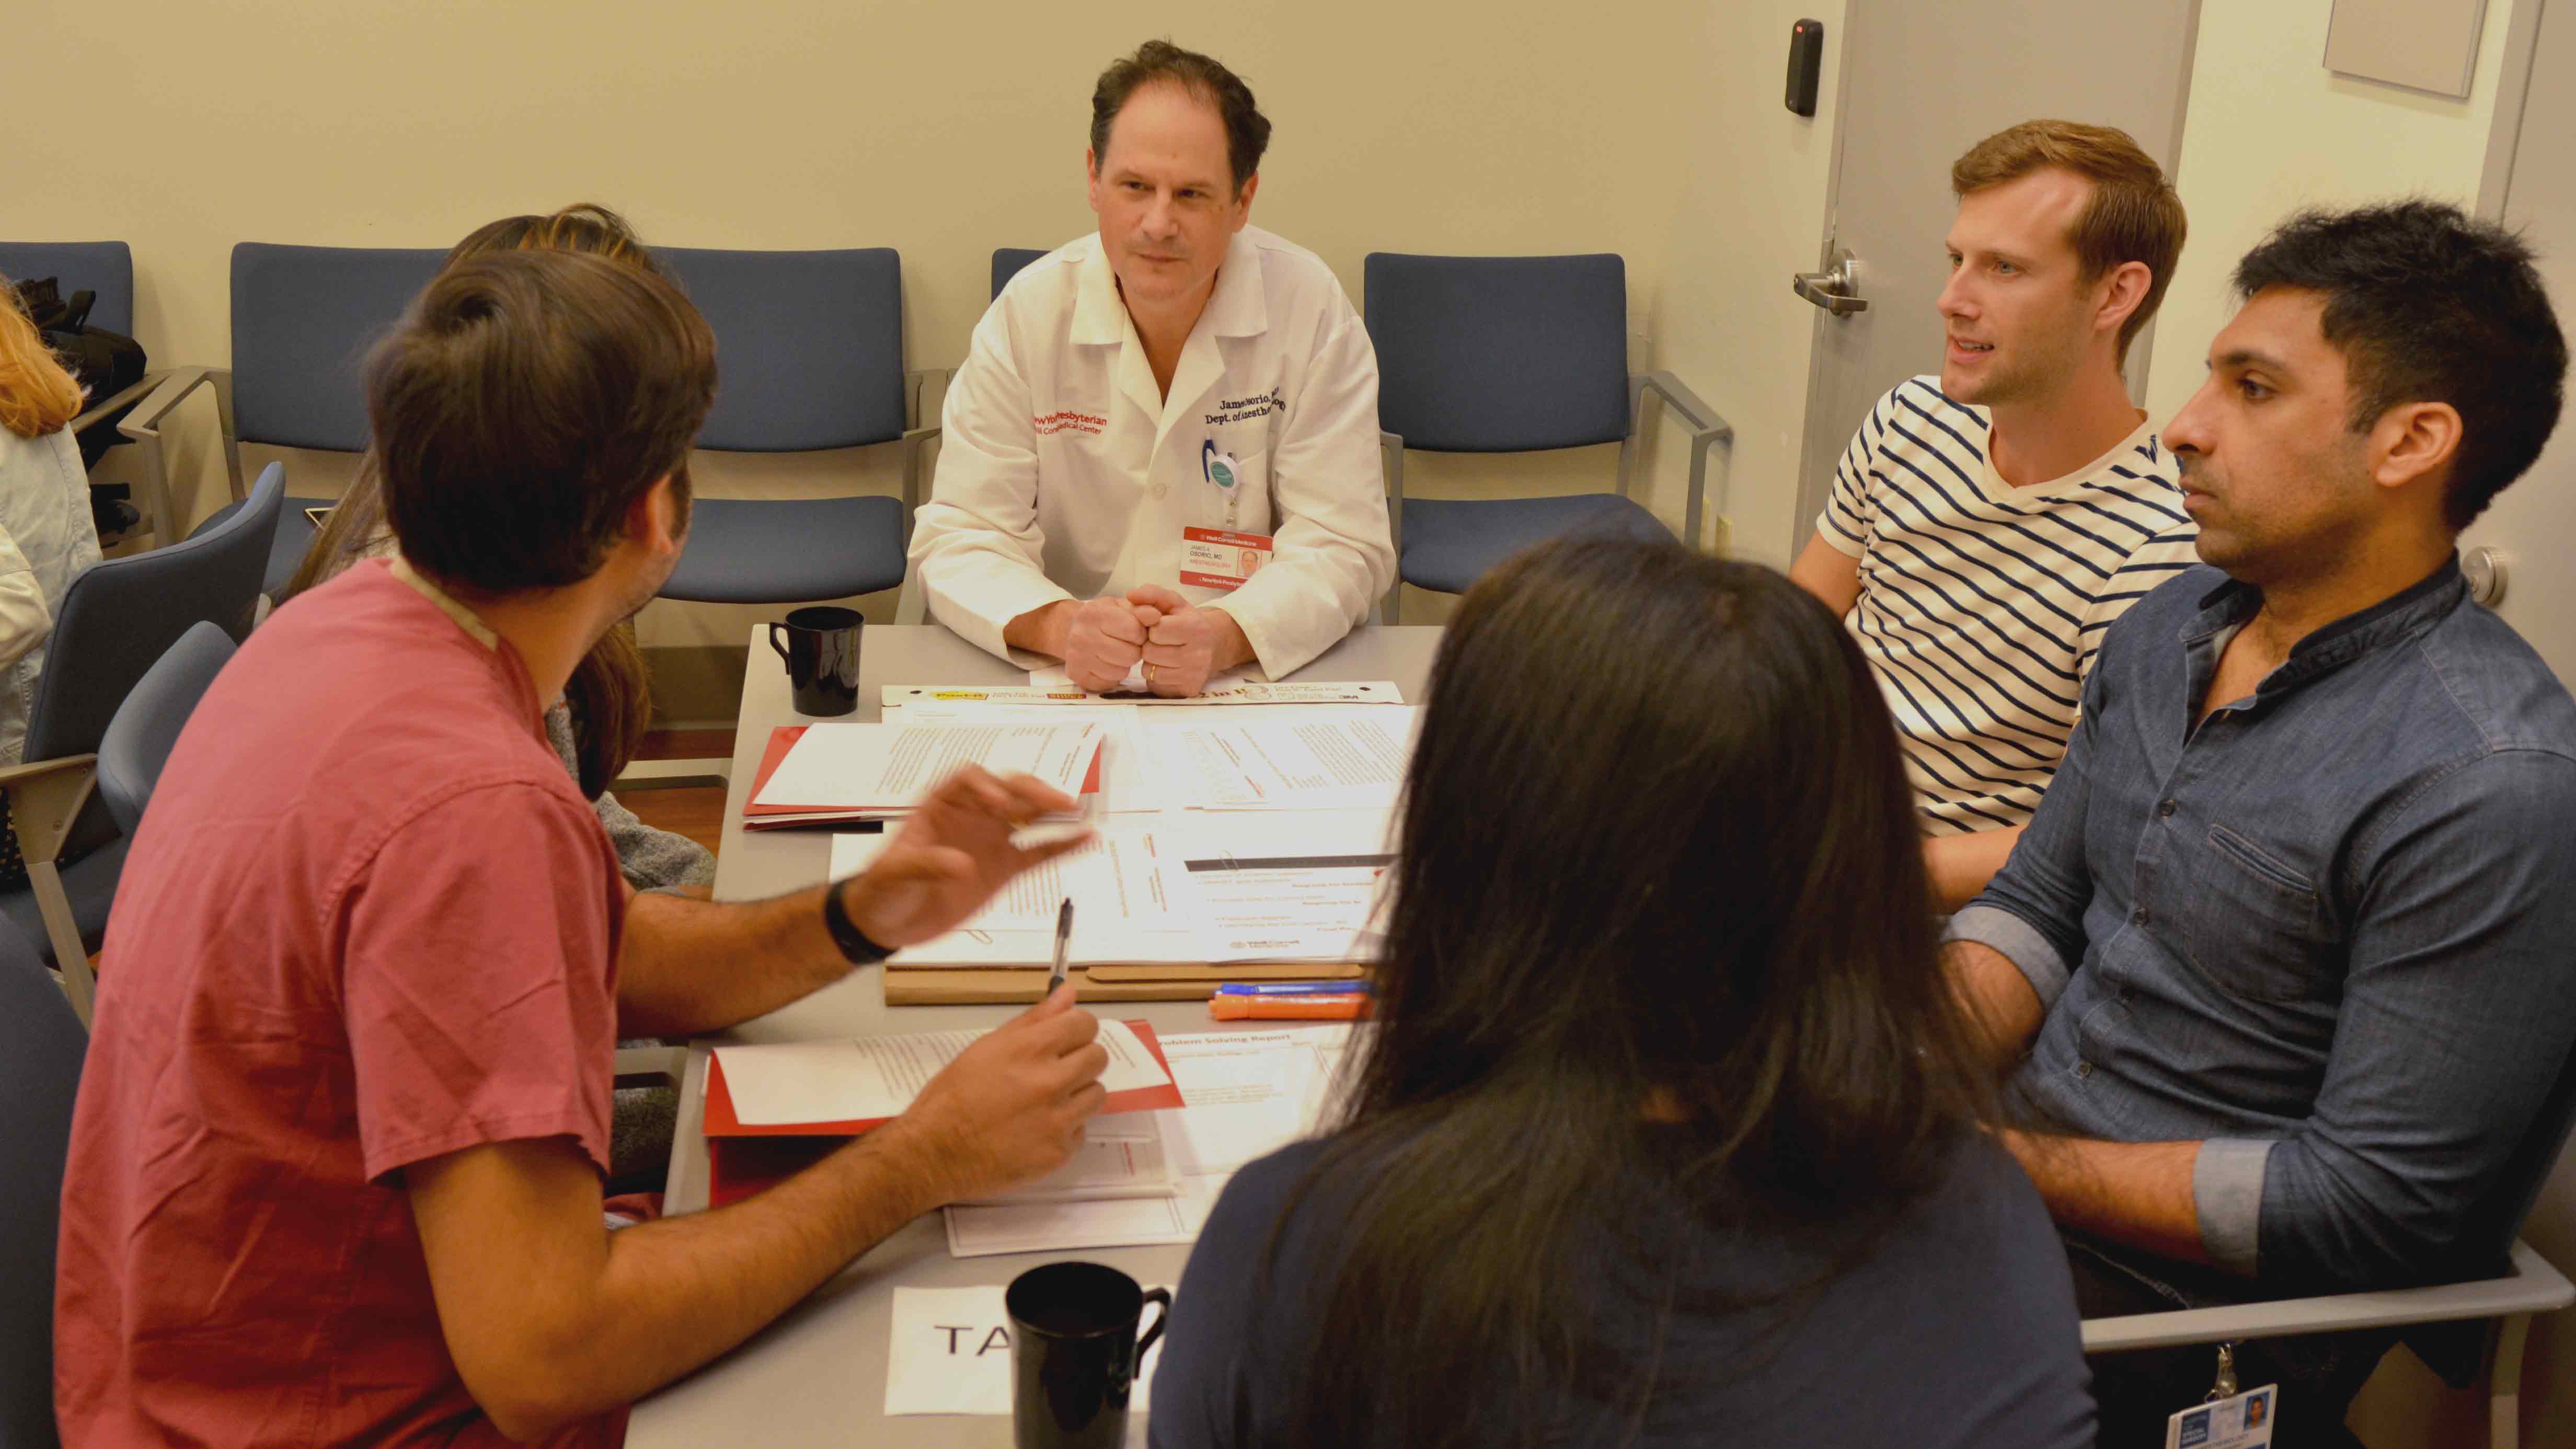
x=854, y=943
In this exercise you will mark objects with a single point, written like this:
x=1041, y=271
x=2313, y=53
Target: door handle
x=1832, y=290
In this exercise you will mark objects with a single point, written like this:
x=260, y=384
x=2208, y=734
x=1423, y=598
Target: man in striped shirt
x=1986, y=525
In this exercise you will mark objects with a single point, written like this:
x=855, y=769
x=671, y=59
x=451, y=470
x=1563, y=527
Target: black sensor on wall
x=1806, y=61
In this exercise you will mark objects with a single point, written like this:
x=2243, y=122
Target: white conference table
x=817, y=1376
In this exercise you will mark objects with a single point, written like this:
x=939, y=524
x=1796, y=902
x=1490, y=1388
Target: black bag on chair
x=104, y=363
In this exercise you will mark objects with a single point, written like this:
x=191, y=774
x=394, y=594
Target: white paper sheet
x=1124, y=1162
x=1250, y=1093
x=892, y=766
x=1130, y=780
x=1054, y=676
x=877, y=1077
x=1132, y=898
x=949, y=1352
x=1321, y=758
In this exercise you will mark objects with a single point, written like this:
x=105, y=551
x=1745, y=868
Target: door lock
x=1835, y=291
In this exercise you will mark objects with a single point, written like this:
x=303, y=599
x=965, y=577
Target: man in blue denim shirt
x=2291, y=941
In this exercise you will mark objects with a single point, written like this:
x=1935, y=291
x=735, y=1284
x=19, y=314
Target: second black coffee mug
x=822, y=654
x=1074, y=1351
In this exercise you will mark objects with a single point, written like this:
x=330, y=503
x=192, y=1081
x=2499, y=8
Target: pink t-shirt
x=368, y=921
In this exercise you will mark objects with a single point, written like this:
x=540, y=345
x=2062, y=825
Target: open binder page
x=882, y=766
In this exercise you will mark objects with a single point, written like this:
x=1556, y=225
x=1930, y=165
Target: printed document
x=874, y=1078
x=1129, y=779
x=1318, y=758
x=1131, y=896
x=892, y=766
x=1250, y=1093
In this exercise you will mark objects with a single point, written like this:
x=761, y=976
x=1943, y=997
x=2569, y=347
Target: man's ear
x=2413, y=441
x=1243, y=200
x=2124, y=291
x=653, y=519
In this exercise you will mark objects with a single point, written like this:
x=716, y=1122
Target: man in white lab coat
x=1161, y=454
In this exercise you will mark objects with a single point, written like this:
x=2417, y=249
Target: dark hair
x=1658, y=858
x=1247, y=131
x=610, y=691
x=2429, y=305
x=526, y=401
x=2134, y=214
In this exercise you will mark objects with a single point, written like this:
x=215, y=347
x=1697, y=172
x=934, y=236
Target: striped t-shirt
x=1982, y=604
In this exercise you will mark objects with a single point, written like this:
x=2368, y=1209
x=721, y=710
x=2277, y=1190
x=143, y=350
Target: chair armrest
x=174, y=388
x=45, y=796
x=915, y=384
x=1677, y=395
x=1706, y=430
x=106, y=405
x=637, y=1066
x=2532, y=1287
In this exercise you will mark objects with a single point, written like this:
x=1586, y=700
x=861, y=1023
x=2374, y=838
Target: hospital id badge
x=1220, y=558
x=2240, y=1421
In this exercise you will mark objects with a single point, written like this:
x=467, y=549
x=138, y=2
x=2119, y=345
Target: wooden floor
x=696, y=812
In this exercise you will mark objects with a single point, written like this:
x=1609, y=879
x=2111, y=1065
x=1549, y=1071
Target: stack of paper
x=840, y=774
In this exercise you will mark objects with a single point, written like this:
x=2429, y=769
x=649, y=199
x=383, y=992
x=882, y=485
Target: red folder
x=742, y=1159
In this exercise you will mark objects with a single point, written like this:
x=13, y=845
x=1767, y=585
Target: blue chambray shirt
x=2331, y=929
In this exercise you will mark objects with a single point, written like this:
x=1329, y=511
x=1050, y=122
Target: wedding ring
x=1149, y=676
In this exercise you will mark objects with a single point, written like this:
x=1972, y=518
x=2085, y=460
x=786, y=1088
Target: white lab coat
x=1065, y=474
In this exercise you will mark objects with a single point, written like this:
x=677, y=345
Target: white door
x=1921, y=84
x=2533, y=523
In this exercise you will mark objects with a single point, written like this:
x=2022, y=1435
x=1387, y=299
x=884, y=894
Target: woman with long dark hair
x=1668, y=1130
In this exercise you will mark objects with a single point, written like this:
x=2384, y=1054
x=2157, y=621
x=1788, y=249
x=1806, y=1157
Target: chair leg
x=71, y=957
x=2504, y=1383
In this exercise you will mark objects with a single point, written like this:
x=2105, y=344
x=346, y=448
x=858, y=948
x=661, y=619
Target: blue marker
x=1295, y=988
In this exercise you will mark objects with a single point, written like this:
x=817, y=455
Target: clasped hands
x=1179, y=643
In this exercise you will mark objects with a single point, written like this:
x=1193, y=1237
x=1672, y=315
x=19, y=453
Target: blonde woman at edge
x=46, y=536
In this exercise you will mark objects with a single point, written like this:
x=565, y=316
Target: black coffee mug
x=1074, y=1351
x=822, y=654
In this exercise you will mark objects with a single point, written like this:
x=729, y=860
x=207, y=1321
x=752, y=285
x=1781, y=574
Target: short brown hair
x=1247, y=131
x=524, y=404
x=2134, y=215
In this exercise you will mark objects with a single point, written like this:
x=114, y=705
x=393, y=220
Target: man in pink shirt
x=335, y=1171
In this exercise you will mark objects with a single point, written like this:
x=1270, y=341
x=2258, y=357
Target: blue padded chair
x=146, y=727
x=811, y=349
x=116, y=622
x=303, y=319
x=41, y=1044
x=105, y=268
x=1512, y=355
x=1007, y=263
x=106, y=271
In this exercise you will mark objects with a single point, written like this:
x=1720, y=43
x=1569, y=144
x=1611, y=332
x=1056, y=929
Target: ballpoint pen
x=1063, y=940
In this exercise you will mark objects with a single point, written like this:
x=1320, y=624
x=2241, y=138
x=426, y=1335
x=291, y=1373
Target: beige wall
x=2269, y=129
x=940, y=129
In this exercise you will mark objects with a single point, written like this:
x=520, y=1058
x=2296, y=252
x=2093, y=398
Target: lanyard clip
x=2226, y=1387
